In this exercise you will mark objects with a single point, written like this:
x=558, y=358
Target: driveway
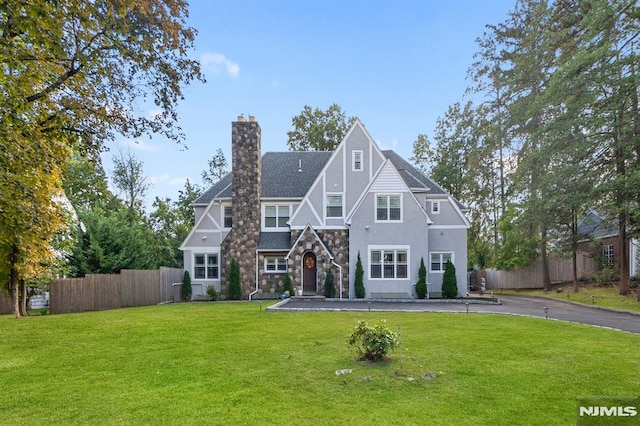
x=510, y=305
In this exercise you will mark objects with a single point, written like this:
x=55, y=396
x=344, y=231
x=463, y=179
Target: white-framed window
x=334, y=205
x=276, y=216
x=388, y=208
x=607, y=254
x=206, y=266
x=389, y=263
x=356, y=161
x=274, y=264
x=438, y=260
x=228, y=217
x=435, y=207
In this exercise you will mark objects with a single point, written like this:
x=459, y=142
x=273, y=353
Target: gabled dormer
x=336, y=190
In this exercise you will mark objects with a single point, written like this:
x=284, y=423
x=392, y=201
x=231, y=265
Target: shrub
x=287, y=286
x=235, y=291
x=329, y=286
x=449, y=281
x=185, y=291
x=607, y=275
x=212, y=293
x=421, y=285
x=359, y=279
x=373, y=343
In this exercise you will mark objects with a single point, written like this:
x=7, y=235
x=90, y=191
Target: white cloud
x=214, y=62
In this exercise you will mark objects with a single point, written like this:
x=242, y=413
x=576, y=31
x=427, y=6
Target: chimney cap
x=252, y=118
x=241, y=117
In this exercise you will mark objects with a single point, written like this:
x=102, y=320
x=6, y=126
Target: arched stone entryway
x=309, y=273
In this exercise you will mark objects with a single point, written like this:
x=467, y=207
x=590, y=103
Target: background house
x=600, y=237
x=303, y=213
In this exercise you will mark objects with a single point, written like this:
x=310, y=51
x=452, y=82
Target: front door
x=309, y=270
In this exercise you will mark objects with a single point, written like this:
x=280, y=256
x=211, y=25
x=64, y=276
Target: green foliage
x=129, y=179
x=449, y=281
x=359, y=279
x=287, y=286
x=607, y=275
x=235, y=290
x=72, y=71
x=318, y=130
x=186, y=290
x=329, y=286
x=217, y=168
x=373, y=343
x=212, y=293
x=421, y=285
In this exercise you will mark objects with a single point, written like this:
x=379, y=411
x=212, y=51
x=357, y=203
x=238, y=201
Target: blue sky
x=396, y=65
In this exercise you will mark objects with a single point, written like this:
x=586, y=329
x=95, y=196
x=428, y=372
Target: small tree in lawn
x=359, y=280
x=329, y=286
x=449, y=282
x=287, y=286
x=185, y=291
x=421, y=285
x=235, y=291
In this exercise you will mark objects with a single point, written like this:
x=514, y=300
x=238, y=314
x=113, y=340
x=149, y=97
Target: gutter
x=256, y=290
x=340, y=268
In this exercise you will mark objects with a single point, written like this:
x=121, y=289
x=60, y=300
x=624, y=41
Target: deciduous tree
x=318, y=130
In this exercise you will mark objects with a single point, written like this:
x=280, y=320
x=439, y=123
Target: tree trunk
x=23, y=298
x=546, y=278
x=624, y=256
x=14, y=283
x=574, y=249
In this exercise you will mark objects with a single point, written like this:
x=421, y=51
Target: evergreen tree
x=329, y=286
x=449, y=281
x=421, y=285
x=359, y=279
x=287, y=286
x=235, y=291
x=186, y=290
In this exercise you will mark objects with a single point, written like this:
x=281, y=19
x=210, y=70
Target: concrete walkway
x=509, y=305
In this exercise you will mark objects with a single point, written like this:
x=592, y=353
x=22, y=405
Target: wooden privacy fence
x=96, y=292
x=560, y=270
x=5, y=304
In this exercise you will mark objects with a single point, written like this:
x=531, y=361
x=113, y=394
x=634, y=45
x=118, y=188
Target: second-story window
x=276, y=216
x=228, y=217
x=388, y=208
x=334, y=205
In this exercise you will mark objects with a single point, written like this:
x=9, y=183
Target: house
x=303, y=213
x=600, y=237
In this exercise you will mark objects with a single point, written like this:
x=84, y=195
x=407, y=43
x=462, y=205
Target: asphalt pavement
x=509, y=305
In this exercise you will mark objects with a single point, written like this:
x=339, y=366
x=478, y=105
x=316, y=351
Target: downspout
x=256, y=290
x=340, y=268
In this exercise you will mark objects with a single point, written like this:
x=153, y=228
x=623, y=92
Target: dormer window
x=356, y=157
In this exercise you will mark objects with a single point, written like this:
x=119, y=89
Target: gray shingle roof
x=274, y=241
x=594, y=226
x=413, y=177
x=281, y=177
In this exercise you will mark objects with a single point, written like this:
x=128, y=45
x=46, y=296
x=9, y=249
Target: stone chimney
x=246, y=167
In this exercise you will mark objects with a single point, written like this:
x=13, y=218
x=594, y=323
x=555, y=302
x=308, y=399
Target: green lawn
x=601, y=295
x=232, y=363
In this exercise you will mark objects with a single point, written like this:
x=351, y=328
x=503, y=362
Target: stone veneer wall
x=241, y=243
x=337, y=241
x=269, y=282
